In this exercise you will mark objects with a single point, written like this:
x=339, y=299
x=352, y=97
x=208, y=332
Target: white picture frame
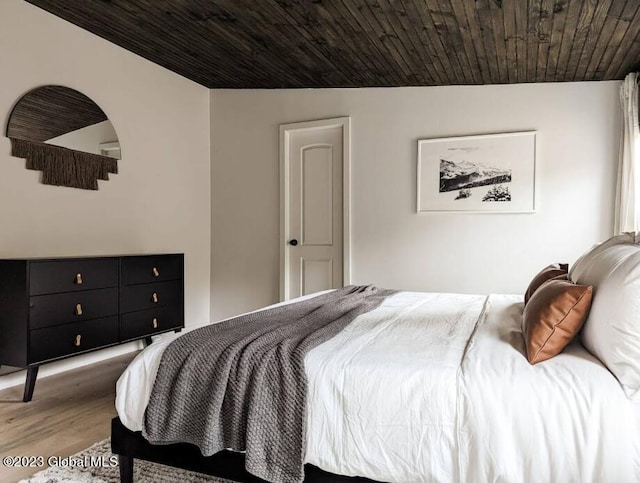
x=488, y=173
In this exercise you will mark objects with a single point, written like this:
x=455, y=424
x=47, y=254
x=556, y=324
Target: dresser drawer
x=72, y=275
x=152, y=268
x=62, y=308
x=150, y=295
x=67, y=339
x=147, y=322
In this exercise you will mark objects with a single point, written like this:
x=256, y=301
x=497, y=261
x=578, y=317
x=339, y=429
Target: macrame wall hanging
x=59, y=115
x=63, y=166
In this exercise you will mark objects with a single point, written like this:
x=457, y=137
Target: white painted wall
x=578, y=128
x=160, y=200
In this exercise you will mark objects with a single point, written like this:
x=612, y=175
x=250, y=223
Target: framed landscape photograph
x=487, y=173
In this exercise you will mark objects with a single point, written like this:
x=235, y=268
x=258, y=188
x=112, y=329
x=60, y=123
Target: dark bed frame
x=129, y=445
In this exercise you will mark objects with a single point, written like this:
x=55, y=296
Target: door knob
x=293, y=242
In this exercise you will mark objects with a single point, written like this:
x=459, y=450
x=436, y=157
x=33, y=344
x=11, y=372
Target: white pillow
x=585, y=260
x=612, y=330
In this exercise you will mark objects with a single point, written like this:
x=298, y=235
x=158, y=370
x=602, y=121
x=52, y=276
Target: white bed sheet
x=435, y=388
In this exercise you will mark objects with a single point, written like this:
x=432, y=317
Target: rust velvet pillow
x=547, y=273
x=554, y=315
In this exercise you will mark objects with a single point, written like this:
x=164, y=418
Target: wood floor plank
x=69, y=412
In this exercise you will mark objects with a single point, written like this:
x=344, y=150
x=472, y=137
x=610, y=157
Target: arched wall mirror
x=64, y=134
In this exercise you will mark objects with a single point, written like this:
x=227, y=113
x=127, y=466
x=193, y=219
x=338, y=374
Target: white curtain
x=628, y=187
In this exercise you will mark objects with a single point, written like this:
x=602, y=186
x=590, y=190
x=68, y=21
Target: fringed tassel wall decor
x=63, y=166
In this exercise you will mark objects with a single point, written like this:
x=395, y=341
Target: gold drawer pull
x=79, y=278
x=79, y=309
x=155, y=272
x=77, y=342
x=154, y=298
x=155, y=323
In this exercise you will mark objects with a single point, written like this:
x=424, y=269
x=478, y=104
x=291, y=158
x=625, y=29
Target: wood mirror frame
x=45, y=126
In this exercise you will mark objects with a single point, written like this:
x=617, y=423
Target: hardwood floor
x=69, y=412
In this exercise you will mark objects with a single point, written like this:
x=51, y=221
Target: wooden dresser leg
x=30, y=384
x=126, y=468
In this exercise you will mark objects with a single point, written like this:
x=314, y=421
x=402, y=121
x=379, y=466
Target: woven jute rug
x=94, y=465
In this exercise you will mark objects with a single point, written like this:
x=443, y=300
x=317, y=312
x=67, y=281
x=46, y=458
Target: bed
x=430, y=388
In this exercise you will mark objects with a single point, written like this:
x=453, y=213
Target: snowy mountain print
x=465, y=174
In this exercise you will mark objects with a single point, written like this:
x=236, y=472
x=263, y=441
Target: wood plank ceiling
x=358, y=43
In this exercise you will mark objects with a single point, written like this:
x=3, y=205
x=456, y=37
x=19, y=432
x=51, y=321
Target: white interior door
x=313, y=207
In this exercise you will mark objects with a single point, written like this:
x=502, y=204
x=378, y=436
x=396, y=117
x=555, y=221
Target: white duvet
x=436, y=388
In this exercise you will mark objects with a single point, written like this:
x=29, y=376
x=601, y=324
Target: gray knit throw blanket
x=241, y=384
